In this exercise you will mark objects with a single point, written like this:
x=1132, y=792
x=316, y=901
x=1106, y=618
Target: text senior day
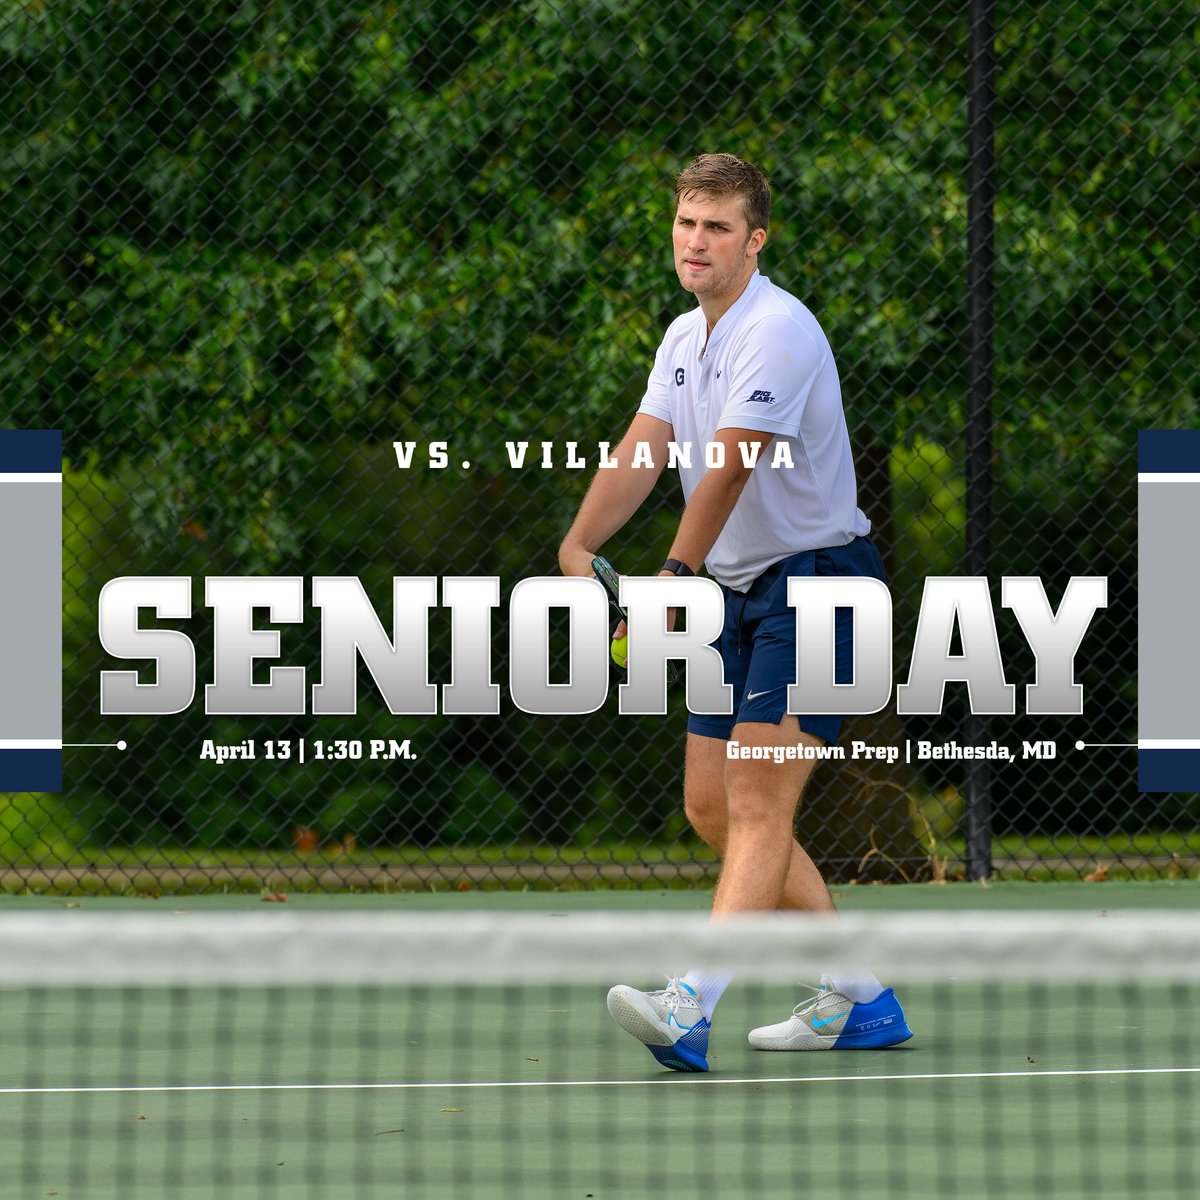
x=351, y=629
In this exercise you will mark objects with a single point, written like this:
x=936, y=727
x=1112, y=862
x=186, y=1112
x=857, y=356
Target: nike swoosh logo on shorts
x=755, y=695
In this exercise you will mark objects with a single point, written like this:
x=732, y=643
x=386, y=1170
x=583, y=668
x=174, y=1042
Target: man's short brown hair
x=721, y=175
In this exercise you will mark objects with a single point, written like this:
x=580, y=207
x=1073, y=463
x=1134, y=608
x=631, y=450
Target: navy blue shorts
x=758, y=643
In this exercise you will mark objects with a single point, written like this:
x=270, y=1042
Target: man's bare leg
x=748, y=819
x=707, y=806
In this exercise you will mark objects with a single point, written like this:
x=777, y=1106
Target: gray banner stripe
x=31, y=610
x=1168, y=627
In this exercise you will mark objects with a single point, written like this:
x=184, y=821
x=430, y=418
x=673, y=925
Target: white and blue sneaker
x=831, y=1021
x=668, y=1023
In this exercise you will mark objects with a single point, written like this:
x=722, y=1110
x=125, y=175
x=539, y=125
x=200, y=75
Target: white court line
x=674, y=1079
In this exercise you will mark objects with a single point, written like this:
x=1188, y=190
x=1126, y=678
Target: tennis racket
x=611, y=582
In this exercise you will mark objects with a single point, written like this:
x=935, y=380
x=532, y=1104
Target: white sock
x=709, y=986
x=861, y=988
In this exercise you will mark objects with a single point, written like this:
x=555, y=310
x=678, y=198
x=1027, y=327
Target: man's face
x=715, y=250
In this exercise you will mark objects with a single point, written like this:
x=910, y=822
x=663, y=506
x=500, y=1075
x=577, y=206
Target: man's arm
x=615, y=494
x=715, y=497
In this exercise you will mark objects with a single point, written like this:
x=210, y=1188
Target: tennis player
x=748, y=365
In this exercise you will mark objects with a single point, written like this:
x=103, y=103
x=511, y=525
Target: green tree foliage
x=245, y=240
x=233, y=226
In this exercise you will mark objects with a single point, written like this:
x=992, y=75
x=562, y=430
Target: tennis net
x=443, y=1055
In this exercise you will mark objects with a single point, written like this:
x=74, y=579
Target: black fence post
x=981, y=197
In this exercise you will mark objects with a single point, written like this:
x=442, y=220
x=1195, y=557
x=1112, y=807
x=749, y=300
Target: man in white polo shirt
x=750, y=365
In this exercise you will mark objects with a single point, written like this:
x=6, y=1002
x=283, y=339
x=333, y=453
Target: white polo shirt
x=766, y=367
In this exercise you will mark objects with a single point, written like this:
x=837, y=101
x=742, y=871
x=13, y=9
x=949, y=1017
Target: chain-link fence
x=248, y=246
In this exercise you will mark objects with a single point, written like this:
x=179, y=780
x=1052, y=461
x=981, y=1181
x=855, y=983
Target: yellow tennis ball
x=620, y=650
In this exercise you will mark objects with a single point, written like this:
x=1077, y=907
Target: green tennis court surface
x=329, y=1055
x=950, y=897
x=519, y=1112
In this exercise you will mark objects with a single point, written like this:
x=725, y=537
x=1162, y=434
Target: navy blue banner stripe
x=1169, y=770
x=1162, y=451
x=31, y=770
x=36, y=451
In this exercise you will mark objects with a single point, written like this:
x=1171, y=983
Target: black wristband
x=677, y=568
